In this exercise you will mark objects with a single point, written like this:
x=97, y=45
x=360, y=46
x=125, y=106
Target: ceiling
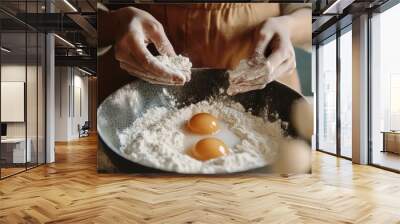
x=331, y=15
x=72, y=20
x=16, y=42
x=39, y=6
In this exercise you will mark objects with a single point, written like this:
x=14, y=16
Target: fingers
x=135, y=70
x=253, y=72
x=284, y=69
x=242, y=86
x=132, y=67
x=132, y=51
x=259, y=83
x=187, y=75
x=144, y=75
x=263, y=39
x=279, y=55
x=127, y=63
x=261, y=69
x=143, y=56
x=161, y=42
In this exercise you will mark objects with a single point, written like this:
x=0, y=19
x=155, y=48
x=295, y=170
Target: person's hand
x=273, y=58
x=138, y=29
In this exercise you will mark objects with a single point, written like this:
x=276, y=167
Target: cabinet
x=391, y=141
x=13, y=151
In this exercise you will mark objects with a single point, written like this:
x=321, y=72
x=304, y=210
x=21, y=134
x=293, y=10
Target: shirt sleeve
x=288, y=8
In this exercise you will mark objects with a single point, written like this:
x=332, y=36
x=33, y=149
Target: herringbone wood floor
x=70, y=191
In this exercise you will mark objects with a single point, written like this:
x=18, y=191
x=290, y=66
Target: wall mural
x=204, y=89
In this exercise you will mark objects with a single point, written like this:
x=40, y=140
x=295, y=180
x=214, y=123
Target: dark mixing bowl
x=272, y=102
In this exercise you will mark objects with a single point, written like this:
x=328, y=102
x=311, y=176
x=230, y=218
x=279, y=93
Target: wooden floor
x=10, y=171
x=70, y=191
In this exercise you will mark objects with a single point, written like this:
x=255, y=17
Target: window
x=22, y=77
x=385, y=89
x=346, y=93
x=394, y=102
x=327, y=96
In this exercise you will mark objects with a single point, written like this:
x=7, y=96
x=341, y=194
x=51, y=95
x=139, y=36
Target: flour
x=178, y=62
x=249, y=70
x=157, y=139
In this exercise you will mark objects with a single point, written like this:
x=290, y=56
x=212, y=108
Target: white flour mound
x=157, y=139
x=177, y=62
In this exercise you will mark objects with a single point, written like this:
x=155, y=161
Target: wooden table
x=391, y=141
x=13, y=150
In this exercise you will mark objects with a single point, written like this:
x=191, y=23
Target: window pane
x=41, y=98
x=385, y=84
x=345, y=94
x=327, y=97
x=15, y=149
x=31, y=99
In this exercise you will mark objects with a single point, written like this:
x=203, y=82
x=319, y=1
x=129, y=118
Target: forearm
x=299, y=26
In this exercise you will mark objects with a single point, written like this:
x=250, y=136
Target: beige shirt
x=216, y=35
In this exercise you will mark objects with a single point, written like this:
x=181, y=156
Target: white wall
x=12, y=101
x=33, y=126
x=70, y=83
x=16, y=73
x=62, y=81
x=10, y=73
x=79, y=117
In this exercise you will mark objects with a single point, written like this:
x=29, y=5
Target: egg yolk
x=209, y=148
x=203, y=123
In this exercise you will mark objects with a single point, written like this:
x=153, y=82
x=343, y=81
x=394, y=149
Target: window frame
x=378, y=10
x=334, y=37
x=26, y=30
